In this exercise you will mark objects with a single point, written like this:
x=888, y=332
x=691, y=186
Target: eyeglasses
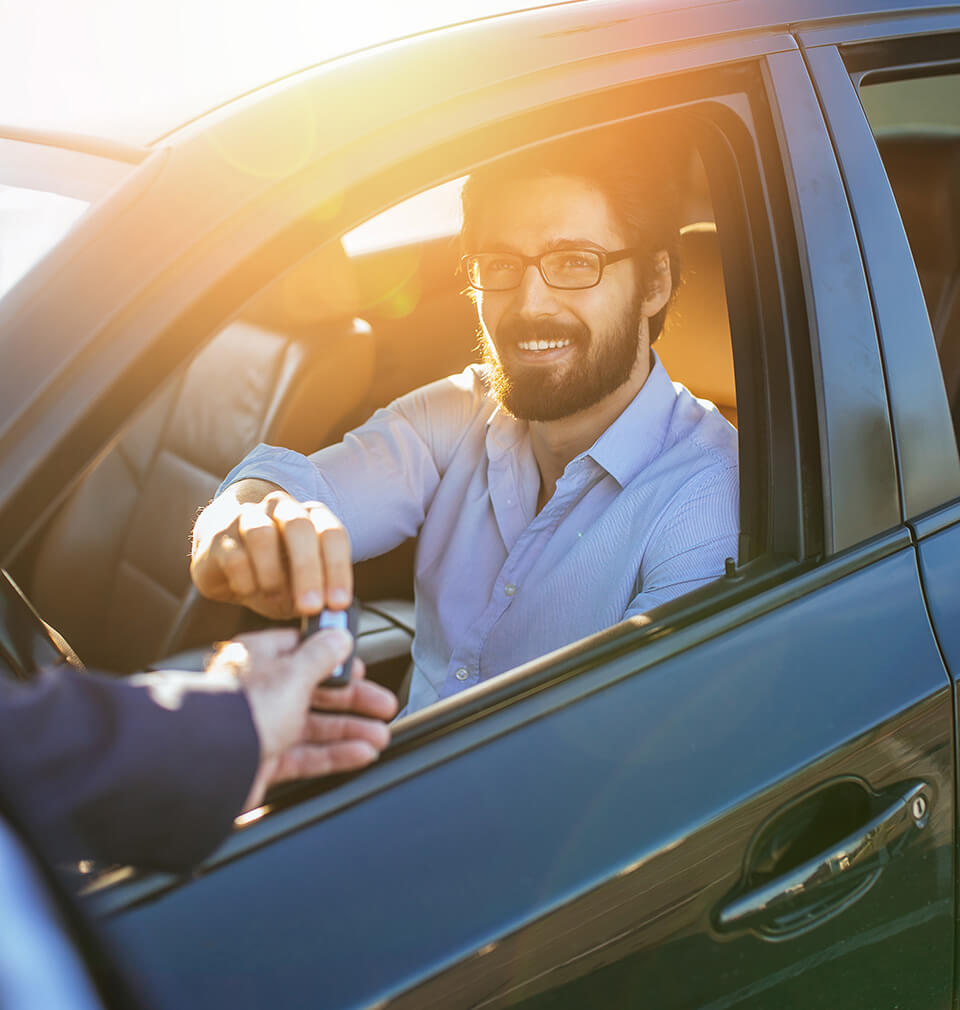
x=559, y=268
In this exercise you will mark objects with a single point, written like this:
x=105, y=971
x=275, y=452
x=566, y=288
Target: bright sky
x=129, y=69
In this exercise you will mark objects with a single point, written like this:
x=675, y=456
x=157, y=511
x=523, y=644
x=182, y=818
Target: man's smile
x=542, y=345
x=541, y=351
x=525, y=342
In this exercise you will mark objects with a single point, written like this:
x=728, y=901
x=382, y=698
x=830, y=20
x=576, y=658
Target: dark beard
x=539, y=394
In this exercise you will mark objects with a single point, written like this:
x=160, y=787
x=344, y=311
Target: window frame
x=767, y=307
x=926, y=446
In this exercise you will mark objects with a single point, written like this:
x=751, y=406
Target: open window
x=377, y=309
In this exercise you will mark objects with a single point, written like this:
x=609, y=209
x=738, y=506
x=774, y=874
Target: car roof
x=113, y=74
x=149, y=101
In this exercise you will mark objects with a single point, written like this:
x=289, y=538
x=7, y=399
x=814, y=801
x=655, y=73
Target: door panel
x=586, y=852
x=939, y=564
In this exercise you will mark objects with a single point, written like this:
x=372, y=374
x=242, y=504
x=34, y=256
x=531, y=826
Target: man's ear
x=659, y=285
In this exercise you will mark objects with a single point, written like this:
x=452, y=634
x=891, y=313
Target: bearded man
x=561, y=486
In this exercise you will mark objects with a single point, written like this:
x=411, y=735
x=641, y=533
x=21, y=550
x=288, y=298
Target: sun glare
x=107, y=67
x=427, y=215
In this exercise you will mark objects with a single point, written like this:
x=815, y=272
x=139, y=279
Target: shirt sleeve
x=692, y=540
x=111, y=770
x=380, y=480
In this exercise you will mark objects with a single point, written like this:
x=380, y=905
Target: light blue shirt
x=648, y=512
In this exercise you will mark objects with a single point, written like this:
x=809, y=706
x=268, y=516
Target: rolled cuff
x=284, y=467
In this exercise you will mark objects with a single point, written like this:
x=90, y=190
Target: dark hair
x=630, y=167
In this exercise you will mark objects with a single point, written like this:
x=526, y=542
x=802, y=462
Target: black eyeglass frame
x=602, y=255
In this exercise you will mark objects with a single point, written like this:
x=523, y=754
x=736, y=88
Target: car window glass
x=31, y=223
x=920, y=103
x=432, y=214
x=916, y=122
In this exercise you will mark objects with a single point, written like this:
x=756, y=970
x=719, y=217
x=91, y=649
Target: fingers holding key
x=278, y=556
x=229, y=555
x=261, y=540
x=336, y=556
x=317, y=553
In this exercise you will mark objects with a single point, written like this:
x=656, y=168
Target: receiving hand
x=280, y=677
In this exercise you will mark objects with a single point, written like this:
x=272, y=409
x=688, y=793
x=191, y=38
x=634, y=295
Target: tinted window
x=916, y=122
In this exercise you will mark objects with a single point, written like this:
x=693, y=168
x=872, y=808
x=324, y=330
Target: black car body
x=748, y=799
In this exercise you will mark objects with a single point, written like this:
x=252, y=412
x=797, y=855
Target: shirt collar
x=637, y=435
x=626, y=447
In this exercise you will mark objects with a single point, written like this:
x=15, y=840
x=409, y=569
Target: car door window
x=382, y=311
x=398, y=275
x=31, y=223
x=45, y=189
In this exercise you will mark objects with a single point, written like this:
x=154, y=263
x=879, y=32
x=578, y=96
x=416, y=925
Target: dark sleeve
x=101, y=769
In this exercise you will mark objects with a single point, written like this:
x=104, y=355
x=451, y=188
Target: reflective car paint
x=500, y=871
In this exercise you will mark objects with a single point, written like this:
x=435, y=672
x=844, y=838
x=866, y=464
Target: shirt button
x=462, y=673
x=509, y=589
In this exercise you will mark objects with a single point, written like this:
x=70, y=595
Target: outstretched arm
x=152, y=770
x=282, y=533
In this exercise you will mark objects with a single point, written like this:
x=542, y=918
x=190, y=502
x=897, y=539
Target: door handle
x=829, y=881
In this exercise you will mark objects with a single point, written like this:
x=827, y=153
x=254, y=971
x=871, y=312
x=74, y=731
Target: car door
x=746, y=799
x=894, y=100
x=911, y=123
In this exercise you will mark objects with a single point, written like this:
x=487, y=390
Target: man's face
x=552, y=352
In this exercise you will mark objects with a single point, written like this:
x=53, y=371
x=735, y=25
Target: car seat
x=111, y=572
x=695, y=345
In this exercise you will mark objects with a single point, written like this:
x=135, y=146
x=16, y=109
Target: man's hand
x=281, y=678
x=258, y=546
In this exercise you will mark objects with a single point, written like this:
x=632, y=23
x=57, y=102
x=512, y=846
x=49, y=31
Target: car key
x=310, y=624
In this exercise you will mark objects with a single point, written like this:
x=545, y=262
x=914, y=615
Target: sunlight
x=431, y=214
x=133, y=71
x=250, y=816
x=31, y=223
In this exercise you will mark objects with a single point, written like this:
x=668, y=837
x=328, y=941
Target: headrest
x=695, y=345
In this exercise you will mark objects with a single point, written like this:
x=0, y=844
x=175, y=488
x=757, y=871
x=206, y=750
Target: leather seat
x=112, y=571
x=924, y=172
x=695, y=345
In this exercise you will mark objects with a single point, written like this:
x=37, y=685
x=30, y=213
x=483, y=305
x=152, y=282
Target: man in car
x=557, y=488
x=153, y=769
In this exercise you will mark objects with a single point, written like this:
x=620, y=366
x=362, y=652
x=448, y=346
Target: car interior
x=342, y=333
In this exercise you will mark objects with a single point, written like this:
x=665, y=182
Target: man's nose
x=534, y=297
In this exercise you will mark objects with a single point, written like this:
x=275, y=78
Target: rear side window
x=916, y=122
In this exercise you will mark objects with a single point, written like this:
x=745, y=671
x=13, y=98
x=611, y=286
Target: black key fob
x=310, y=624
